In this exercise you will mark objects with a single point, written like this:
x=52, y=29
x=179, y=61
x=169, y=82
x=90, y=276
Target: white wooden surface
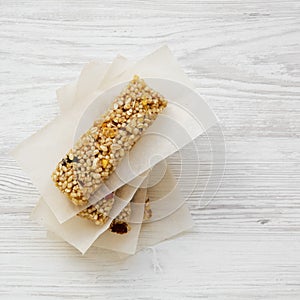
x=244, y=58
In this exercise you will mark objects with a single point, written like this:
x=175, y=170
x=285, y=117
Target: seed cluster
x=99, y=212
x=120, y=224
x=98, y=152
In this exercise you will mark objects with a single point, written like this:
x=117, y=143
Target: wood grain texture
x=244, y=58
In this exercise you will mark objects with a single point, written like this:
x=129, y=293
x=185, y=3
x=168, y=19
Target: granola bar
x=99, y=212
x=97, y=153
x=147, y=211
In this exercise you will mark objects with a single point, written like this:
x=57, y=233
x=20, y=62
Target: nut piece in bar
x=120, y=224
x=97, y=153
x=99, y=212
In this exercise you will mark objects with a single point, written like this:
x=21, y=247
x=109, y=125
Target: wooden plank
x=244, y=59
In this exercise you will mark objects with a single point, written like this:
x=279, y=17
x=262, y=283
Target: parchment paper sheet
x=39, y=154
x=152, y=232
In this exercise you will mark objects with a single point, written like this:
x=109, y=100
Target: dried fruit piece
x=120, y=224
